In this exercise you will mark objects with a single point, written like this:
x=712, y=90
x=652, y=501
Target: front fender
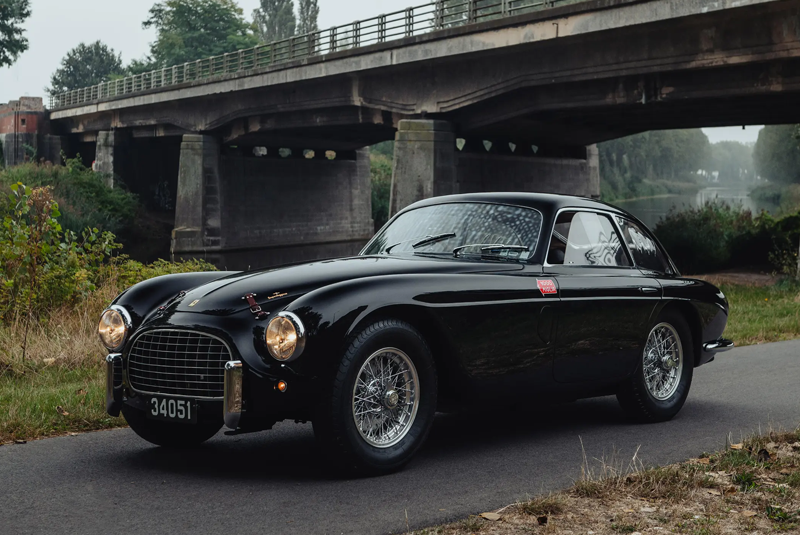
x=142, y=298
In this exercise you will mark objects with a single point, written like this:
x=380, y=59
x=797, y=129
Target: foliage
x=307, y=16
x=41, y=267
x=733, y=161
x=275, y=20
x=777, y=155
x=381, y=173
x=126, y=272
x=13, y=14
x=719, y=236
x=188, y=30
x=84, y=66
x=84, y=199
x=633, y=166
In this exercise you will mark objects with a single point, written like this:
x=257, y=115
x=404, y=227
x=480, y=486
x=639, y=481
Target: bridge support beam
x=428, y=163
x=242, y=208
x=424, y=162
x=197, y=213
x=110, y=155
x=576, y=174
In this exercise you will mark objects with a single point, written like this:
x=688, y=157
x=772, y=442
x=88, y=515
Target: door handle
x=648, y=290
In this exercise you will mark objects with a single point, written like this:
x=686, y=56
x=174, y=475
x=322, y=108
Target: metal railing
x=433, y=16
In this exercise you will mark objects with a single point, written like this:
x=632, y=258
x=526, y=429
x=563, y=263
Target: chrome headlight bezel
x=126, y=322
x=300, y=331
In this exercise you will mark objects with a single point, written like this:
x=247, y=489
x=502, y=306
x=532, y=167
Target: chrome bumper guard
x=232, y=406
x=113, y=384
x=718, y=345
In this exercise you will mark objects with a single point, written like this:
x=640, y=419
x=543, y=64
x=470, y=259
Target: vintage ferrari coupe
x=457, y=301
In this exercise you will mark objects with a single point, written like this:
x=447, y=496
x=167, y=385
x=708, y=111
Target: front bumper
x=233, y=401
x=718, y=345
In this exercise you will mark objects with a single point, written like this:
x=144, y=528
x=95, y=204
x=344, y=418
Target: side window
x=645, y=252
x=586, y=239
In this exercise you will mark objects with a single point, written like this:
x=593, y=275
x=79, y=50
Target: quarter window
x=644, y=249
x=586, y=239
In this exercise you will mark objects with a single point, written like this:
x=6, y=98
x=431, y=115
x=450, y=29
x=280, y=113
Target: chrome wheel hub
x=663, y=361
x=385, y=397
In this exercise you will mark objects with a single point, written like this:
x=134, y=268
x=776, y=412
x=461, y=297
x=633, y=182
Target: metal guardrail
x=433, y=16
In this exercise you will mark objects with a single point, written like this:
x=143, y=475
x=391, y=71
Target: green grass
x=762, y=314
x=30, y=402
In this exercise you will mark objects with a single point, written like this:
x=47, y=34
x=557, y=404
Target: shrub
x=719, y=236
x=83, y=198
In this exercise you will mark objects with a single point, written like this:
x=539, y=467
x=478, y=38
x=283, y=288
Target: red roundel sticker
x=547, y=286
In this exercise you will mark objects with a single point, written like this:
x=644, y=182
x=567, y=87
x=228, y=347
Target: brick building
x=25, y=132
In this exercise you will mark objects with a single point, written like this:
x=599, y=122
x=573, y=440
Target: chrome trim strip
x=232, y=404
x=718, y=345
x=176, y=396
x=112, y=405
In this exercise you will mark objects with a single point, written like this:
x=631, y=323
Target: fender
x=142, y=298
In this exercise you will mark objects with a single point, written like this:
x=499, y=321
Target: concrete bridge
x=479, y=95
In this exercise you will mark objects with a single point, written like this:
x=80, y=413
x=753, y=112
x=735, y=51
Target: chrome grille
x=180, y=363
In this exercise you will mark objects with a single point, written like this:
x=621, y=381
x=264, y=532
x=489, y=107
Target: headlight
x=113, y=328
x=285, y=337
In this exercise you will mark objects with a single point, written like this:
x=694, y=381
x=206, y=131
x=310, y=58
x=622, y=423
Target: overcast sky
x=56, y=26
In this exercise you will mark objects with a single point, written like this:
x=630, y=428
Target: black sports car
x=457, y=301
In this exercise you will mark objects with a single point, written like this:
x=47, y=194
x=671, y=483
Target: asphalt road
x=112, y=482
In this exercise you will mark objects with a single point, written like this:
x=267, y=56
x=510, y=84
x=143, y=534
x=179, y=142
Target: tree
x=275, y=20
x=188, y=30
x=776, y=154
x=12, y=42
x=307, y=16
x=84, y=66
x=733, y=161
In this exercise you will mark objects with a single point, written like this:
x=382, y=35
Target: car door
x=606, y=302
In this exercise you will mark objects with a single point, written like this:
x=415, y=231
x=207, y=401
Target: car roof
x=544, y=202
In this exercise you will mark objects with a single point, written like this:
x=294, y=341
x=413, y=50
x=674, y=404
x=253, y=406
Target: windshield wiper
x=433, y=239
x=420, y=242
x=486, y=247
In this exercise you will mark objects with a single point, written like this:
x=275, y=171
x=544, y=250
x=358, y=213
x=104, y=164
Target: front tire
x=167, y=434
x=660, y=385
x=381, y=404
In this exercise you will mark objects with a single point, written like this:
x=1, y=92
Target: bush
x=719, y=236
x=83, y=198
x=54, y=280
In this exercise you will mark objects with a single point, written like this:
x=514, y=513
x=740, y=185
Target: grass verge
x=752, y=487
x=53, y=401
x=761, y=314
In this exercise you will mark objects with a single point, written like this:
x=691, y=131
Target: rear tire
x=167, y=434
x=380, y=407
x=660, y=385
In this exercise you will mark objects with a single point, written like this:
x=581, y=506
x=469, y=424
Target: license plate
x=172, y=410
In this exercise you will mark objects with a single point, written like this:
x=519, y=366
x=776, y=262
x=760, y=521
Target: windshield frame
x=529, y=260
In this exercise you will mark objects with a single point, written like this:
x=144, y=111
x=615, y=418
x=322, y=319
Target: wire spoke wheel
x=385, y=397
x=663, y=361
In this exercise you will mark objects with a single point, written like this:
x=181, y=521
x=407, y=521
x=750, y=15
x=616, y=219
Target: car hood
x=282, y=285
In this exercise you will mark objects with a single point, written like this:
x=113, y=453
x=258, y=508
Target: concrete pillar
x=424, y=162
x=110, y=155
x=19, y=148
x=52, y=147
x=197, y=214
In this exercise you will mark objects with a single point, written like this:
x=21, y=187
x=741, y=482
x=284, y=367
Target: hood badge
x=193, y=303
x=254, y=307
x=276, y=295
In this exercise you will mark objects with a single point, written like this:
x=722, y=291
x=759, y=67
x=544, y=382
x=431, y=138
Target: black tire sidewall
x=638, y=398
x=356, y=452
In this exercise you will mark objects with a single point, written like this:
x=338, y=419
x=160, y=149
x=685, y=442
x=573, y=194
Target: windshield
x=458, y=224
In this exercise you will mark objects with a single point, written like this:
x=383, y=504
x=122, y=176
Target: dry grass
x=749, y=488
